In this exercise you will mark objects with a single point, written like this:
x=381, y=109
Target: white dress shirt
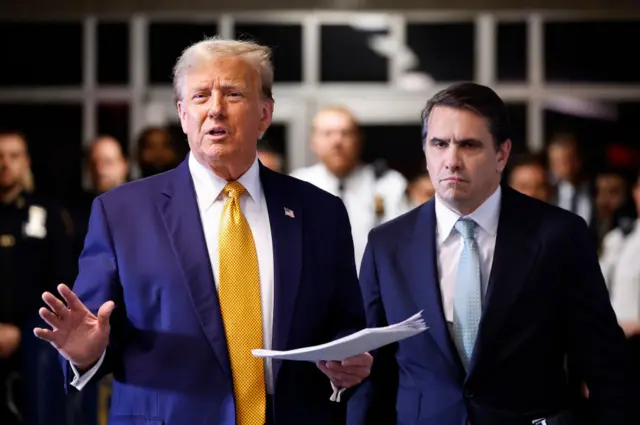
x=621, y=270
x=359, y=197
x=253, y=204
x=566, y=192
x=449, y=245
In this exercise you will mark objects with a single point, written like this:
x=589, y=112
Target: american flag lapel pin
x=289, y=213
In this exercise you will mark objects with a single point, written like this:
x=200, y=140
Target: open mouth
x=218, y=132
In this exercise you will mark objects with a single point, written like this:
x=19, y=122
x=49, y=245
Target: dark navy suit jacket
x=146, y=251
x=546, y=303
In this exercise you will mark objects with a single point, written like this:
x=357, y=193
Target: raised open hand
x=77, y=334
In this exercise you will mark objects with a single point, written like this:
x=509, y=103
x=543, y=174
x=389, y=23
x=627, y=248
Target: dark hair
x=476, y=98
x=528, y=160
x=5, y=132
x=145, y=134
x=264, y=146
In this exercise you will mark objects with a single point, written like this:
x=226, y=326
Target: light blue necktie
x=467, y=301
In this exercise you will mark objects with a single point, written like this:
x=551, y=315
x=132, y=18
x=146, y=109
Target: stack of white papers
x=360, y=342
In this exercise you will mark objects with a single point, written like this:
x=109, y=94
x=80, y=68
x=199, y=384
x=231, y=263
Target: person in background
x=35, y=255
x=108, y=168
x=269, y=157
x=621, y=269
x=156, y=152
x=372, y=195
x=419, y=190
x=611, y=196
x=572, y=190
x=529, y=176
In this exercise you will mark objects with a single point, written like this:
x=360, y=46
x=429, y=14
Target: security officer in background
x=371, y=193
x=35, y=255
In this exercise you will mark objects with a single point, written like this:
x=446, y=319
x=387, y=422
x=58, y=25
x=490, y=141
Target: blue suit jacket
x=145, y=250
x=546, y=301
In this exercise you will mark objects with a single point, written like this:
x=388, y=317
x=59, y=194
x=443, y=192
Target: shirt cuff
x=79, y=381
x=337, y=392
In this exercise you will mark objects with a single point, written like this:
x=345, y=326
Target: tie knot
x=234, y=189
x=466, y=228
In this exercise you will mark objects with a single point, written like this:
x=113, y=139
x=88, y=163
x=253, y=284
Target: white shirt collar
x=208, y=186
x=486, y=216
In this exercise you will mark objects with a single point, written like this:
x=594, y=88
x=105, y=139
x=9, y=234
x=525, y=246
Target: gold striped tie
x=239, y=292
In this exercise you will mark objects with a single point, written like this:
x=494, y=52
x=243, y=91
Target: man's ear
x=504, y=150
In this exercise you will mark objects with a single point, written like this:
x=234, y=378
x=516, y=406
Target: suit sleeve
x=374, y=400
x=97, y=282
x=597, y=348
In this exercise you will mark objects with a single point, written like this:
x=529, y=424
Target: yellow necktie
x=239, y=292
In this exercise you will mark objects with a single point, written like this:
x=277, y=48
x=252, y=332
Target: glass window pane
x=445, y=51
x=511, y=55
x=55, y=144
x=167, y=41
x=347, y=55
x=113, y=120
x=589, y=51
x=40, y=53
x=113, y=53
x=285, y=42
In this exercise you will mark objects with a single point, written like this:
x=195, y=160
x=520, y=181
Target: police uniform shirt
x=369, y=201
x=34, y=256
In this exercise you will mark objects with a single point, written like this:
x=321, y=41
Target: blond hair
x=214, y=47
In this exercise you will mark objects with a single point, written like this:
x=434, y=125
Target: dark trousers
x=269, y=415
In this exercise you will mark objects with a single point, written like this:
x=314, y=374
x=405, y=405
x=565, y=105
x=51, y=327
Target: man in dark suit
x=205, y=262
x=509, y=286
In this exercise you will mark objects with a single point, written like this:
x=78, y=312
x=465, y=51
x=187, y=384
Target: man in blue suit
x=183, y=273
x=509, y=286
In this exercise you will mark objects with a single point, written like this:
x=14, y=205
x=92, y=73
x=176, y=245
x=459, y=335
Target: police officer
x=371, y=193
x=35, y=255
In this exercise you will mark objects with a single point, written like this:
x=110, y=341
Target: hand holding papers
x=360, y=342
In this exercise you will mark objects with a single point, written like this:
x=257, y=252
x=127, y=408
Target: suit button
x=468, y=394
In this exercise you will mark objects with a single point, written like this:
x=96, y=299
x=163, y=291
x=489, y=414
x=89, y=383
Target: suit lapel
x=179, y=210
x=285, y=219
x=418, y=259
x=515, y=253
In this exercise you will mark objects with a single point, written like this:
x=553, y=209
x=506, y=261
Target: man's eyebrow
x=469, y=140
